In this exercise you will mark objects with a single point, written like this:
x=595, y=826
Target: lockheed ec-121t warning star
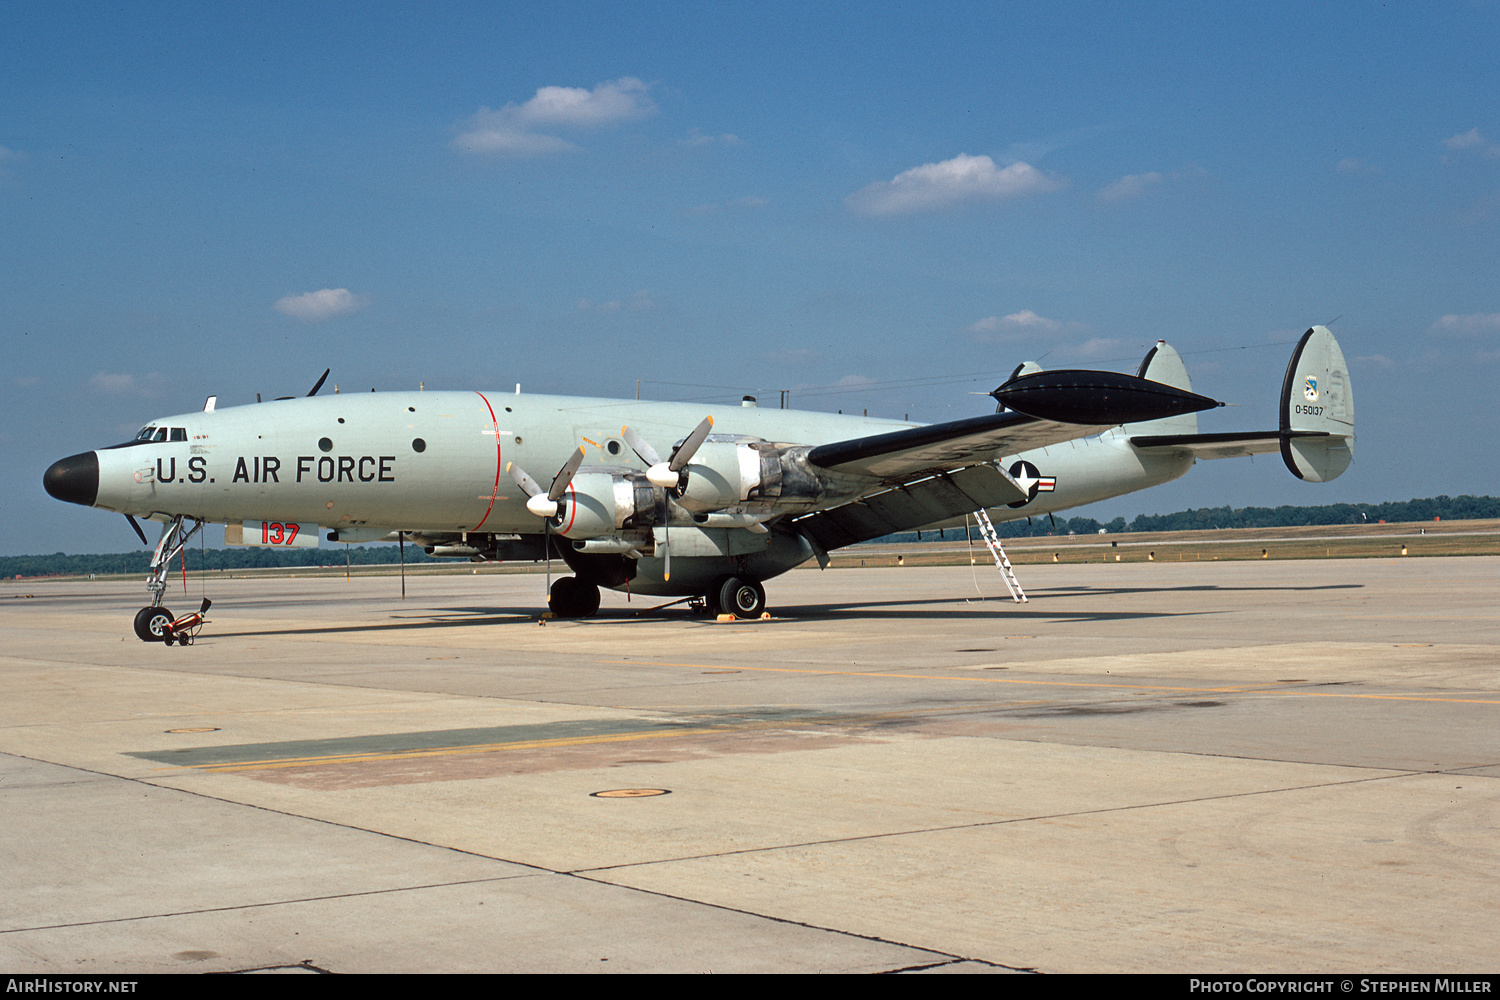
x=742, y=496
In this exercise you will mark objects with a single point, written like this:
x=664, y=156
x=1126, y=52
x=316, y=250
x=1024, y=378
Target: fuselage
x=436, y=464
x=421, y=461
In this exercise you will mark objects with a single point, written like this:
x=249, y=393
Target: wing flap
x=901, y=455
x=909, y=506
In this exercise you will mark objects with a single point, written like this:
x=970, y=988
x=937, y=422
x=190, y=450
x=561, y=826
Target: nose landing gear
x=151, y=623
x=155, y=623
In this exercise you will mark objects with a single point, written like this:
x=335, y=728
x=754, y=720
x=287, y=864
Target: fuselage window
x=161, y=434
x=145, y=433
x=179, y=433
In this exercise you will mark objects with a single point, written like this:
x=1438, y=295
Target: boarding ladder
x=1001, y=562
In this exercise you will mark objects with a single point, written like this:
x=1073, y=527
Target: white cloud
x=961, y=180
x=638, y=302
x=125, y=384
x=508, y=141
x=697, y=138
x=1473, y=140
x=1133, y=186
x=1018, y=324
x=326, y=303
x=1464, y=140
x=625, y=99
x=514, y=129
x=1352, y=165
x=1130, y=186
x=1097, y=347
x=1472, y=325
x=116, y=384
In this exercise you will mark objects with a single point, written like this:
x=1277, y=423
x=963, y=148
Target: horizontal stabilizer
x=1317, y=418
x=1231, y=445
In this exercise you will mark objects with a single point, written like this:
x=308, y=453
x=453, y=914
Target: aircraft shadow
x=897, y=610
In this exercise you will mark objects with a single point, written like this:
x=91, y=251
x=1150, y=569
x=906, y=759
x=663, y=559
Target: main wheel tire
x=560, y=597
x=573, y=598
x=150, y=624
x=711, y=602
x=743, y=598
x=586, y=598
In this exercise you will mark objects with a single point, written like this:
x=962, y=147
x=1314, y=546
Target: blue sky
x=715, y=198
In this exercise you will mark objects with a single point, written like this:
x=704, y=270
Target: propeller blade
x=319, y=384
x=538, y=502
x=524, y=481
x=640, y=447
x=683, y=454
x=565, y=475
x=666, y=552
x=136, y=525
x=667, y=475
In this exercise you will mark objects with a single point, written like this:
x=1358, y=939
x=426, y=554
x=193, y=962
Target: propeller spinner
x=546, y=504
x=668, y=475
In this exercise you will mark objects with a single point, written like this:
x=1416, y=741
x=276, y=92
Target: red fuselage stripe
x=496, y=491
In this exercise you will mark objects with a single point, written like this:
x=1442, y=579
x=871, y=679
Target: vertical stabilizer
x=1317, y=409
x=1163, y=364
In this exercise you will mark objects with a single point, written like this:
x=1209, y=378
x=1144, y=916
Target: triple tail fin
x=1163, y=364
x=1317, y=409
x=1316, y=435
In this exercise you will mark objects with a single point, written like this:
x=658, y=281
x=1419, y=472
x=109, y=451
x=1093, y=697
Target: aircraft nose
x=74, y=479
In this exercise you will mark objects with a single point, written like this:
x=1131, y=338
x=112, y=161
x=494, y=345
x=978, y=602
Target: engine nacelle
x=601, y=503
x=729, y=473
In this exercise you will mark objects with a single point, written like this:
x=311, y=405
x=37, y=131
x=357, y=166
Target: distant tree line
x=202, y=559
x=1462, y=508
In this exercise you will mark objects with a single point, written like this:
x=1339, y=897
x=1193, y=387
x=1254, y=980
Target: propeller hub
x=663, y=475
x=541, y=506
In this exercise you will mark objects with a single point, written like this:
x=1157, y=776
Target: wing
x=900, y=455
x=929, y=474
x=912, y=505
x=1038, y=409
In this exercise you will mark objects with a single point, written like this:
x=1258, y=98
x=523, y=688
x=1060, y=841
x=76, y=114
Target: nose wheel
x=151, y=624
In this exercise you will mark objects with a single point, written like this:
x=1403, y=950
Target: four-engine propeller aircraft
x=742, y=496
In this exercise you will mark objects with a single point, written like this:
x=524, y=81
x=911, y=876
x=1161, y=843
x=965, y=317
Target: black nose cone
x=74, y=479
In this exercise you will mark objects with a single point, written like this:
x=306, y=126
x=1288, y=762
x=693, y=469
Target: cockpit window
x=150, y=434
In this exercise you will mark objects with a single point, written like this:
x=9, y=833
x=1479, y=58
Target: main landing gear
x=571, y=597
x=741, y=596
x=152, y=623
